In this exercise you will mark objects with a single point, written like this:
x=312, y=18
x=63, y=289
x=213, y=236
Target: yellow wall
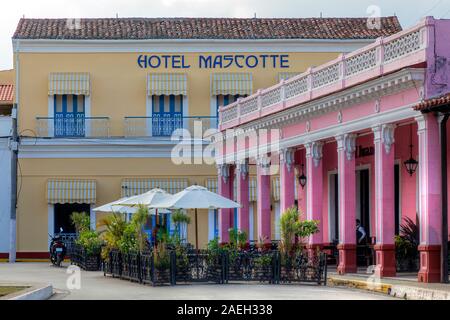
x=118, y=90
x=7, y=76
x=119, y=84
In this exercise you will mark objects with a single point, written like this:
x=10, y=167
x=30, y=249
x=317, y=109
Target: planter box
x=161, y=277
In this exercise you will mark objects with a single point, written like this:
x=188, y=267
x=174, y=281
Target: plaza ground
x=95, y=286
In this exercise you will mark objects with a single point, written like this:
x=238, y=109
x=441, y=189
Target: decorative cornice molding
x=263, y=163
x=372, y=90
x=223, y=170
x=347, y=143
x=314, y=150
x=287, y=157
x=242, y=168
x=385, y=134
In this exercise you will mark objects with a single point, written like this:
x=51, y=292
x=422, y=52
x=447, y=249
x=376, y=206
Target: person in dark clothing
x=361, y=236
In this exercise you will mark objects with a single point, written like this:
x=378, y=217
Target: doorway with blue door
x=167, y=114
x=69, y=115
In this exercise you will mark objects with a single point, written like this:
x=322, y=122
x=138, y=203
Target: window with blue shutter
x=167, y=114
x=69, y=115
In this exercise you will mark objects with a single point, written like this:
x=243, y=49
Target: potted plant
x=406, y=246
x=161, y=263
x=86, y=252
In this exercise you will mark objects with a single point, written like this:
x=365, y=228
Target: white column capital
x=223, y=170
x=347, y=143
x=287, y=156
x=385, y=134
x=314, y=150
x=263, y=161
x=242, y=168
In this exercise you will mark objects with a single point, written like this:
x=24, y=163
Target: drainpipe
x=444, y=246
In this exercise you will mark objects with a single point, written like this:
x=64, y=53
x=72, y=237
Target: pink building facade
x=351, y=124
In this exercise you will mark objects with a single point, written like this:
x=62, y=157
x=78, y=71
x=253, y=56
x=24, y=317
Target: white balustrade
x=383, y=52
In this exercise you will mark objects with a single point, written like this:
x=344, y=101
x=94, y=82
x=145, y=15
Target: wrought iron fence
x=85, y=260
x=72, y=127
x=164, y=126
x=221, y=267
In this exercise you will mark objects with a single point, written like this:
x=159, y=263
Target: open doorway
x=63, y=214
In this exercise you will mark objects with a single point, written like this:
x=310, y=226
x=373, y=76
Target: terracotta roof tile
x=6, y=93
x=203, y=28
x=426, y=105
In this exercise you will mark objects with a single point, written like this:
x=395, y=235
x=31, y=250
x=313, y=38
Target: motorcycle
x=57, y=250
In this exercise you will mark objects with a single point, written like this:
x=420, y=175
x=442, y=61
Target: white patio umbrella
x=116, y=207
x=151, y=199
x=198, y=197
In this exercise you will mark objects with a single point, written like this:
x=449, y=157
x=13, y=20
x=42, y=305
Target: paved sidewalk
x=403, y=286
x=95, y=286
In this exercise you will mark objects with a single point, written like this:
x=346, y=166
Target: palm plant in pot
x=406, y=246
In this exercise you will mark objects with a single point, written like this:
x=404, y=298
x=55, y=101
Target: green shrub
x=90, y=241
x=81, y=221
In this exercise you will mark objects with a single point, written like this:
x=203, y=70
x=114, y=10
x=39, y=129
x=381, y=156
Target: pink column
x=314, y=193
x=430, y=198
x=225, y=184
x=384, y=200
x=346, y=145
x=243, y=195
x=263, y=199
x=287, y=179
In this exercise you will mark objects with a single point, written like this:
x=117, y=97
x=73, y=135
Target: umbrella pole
x=196, y=230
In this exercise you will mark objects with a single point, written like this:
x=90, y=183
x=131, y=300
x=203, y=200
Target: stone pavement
x=95, y=286
x=404, y=285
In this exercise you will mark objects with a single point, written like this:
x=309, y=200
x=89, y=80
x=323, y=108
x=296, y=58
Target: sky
x=409, y=12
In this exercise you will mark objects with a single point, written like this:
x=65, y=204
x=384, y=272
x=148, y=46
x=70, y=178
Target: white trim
x=50, y=222
x=51, y=115
x=188, y=45
x=251, y=222
x=331, y=225
x=92, y=217
x=213, y=111
x=149, y=114
x=87, y=114
x=211, y=224
x=277, y=215
x=390, y=116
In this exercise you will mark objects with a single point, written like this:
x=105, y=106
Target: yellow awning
x=131, y=187
x=78, y=83
x=286, y=75
x=231, y=83
x=71, y=191
x=166, y=84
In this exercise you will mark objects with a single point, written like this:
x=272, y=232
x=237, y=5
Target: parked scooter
x=57, y=250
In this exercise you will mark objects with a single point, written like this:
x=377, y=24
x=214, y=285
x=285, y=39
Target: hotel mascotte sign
x=221, y=61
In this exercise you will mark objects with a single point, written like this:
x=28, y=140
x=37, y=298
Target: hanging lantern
x=411, y=164
x=302, y=178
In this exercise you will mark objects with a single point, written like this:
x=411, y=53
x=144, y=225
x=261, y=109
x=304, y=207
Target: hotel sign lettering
x=224, y=61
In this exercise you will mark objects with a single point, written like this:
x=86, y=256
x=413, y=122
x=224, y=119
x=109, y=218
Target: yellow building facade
x=96, y=113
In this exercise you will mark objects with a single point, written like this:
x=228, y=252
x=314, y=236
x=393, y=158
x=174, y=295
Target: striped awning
x=286, y=75
x=71, y=191
x=275, y=188
x=131, y=187
x=231, y=83
x=78, y=83
x=211, y=184
x=167, y=84
x=253, y=190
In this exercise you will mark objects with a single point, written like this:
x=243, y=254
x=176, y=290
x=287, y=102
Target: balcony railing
x=70, y=127
x=385, y=55
x=161, y=126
